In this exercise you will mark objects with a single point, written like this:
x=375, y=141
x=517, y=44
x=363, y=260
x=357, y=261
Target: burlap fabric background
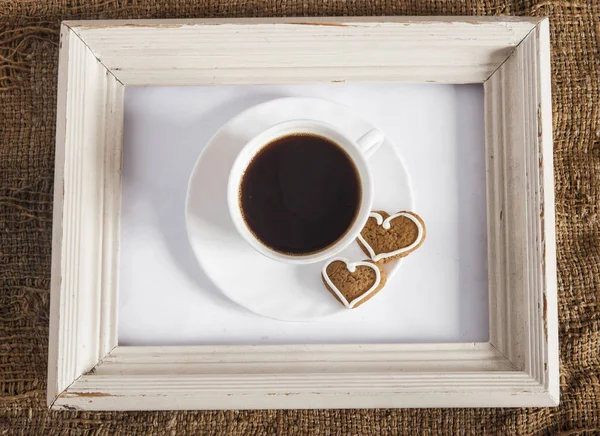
x=28, y=68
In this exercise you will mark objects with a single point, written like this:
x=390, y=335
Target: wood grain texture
x=521, y=225
x=86, y=215
x=518, y=367
x=338, y=376
x=301, y=50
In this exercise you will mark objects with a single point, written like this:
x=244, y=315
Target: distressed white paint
x=518, y=367
x=87, y=192
x=521, y=225
x=315, y=376
x=300, y=50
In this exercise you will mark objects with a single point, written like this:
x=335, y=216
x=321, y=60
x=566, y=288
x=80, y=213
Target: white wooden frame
x=98, y=59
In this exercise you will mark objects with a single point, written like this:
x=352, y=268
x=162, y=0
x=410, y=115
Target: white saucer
x=263, y=286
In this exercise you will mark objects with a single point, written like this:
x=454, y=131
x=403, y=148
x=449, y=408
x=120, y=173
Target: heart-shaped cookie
x=353, y=283
x=386, y=237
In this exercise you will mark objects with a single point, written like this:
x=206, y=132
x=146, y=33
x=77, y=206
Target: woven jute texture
x=28, y=71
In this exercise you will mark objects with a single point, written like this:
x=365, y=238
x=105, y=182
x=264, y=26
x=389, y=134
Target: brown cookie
x=386, y=237
x=353, y=283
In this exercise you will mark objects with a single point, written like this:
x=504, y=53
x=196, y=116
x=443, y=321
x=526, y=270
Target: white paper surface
x=440, y=293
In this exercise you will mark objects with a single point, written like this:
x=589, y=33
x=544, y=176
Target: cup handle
x=369, y=142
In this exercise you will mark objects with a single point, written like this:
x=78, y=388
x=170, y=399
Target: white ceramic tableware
x=283, y=291
x=358, y=150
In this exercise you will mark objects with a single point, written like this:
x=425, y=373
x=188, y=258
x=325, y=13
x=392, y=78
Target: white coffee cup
x=359, y=150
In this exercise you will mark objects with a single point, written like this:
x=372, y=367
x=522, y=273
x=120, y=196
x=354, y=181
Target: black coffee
x=300, y=194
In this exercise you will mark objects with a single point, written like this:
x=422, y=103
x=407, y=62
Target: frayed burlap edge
x=28, y=64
